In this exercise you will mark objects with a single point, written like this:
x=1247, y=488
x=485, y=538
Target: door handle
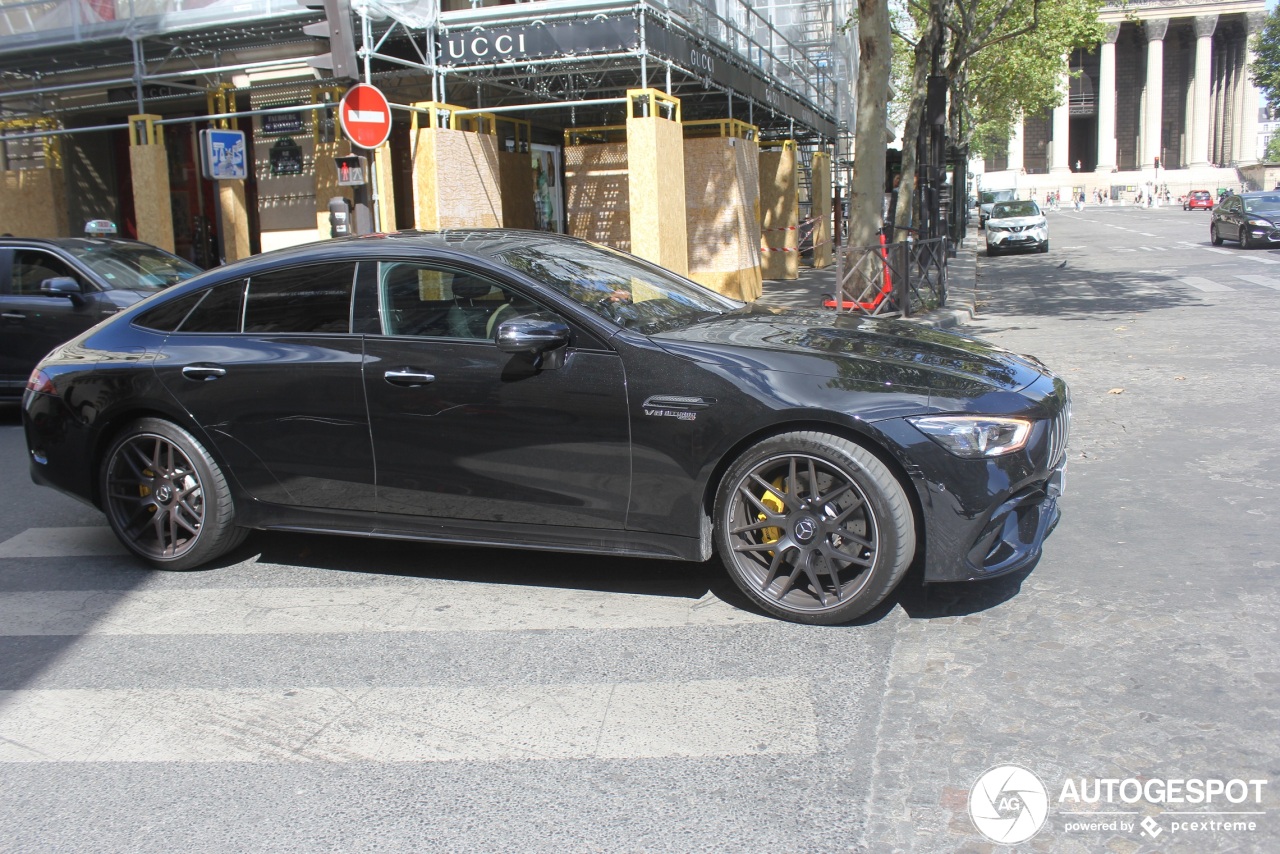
x=203, y=373
x=408, y=378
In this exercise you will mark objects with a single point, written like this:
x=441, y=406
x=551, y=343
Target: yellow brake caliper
x=777, y=505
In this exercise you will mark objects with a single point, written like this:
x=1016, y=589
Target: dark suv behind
x=53, y=289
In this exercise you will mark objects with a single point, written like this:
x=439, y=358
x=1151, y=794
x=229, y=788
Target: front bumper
x=1264, y=234
x=1002, y=239
x=989, y=517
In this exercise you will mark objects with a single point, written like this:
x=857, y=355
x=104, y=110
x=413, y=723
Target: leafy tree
x=1002, y=59
x=1273, y=149
x=1265, y=68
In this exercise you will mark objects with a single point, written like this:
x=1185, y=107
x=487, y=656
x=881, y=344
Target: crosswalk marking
x=1219, y=251
x=63, y=542
x=1257, y=260
x=628, y=720
x=416, y=605
x=1203, y=284
x=1274, y=284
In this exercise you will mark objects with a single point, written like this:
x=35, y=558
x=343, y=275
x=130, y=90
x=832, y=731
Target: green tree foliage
x=1266, y=67
x=1273, y=149
x=1003, y=59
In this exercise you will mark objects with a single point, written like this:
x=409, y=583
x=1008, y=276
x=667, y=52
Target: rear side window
x=219, y=311
x=300, y=299
x=214, y=309
x=167, y=317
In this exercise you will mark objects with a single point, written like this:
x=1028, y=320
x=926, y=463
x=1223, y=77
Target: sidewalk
x=807, y=290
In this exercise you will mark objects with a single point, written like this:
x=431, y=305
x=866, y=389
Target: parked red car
x=1198, y=199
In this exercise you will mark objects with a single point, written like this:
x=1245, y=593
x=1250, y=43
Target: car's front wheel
x=1214, y=237
x=813, y=528
x=166, y=498
x=1246, y=242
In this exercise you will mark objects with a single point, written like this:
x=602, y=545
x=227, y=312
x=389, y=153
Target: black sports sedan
x=526, y=390
x=1251, y=219
x=53, y=289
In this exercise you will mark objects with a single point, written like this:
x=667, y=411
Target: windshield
x=133, y=267
x=1257, y=204
x=620, y=288
x=1009, y=209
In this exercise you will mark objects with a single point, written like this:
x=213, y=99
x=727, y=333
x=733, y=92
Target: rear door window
x=307, y=299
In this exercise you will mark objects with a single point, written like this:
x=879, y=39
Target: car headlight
x=1265, y=223
x=975, y=436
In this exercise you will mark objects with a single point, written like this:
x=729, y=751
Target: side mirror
x=60, y=286
x=536, y=335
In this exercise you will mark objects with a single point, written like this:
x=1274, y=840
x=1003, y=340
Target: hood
x=855, y=348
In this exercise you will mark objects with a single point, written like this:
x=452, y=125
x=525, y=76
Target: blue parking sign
x=222, y=155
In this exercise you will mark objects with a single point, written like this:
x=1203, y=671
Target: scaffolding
x=774, y=63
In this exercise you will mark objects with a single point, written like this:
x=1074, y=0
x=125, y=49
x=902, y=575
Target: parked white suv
x=1014, y=225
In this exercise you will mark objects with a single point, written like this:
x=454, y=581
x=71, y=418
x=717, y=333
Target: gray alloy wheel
x=165, y=497
x=1213, y=234
x=813, y=528
x=1246, y=242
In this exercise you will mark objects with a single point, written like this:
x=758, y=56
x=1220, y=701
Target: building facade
x=102, y=103
x=1166, y=97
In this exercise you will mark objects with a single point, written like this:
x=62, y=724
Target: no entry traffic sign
x=365, y=116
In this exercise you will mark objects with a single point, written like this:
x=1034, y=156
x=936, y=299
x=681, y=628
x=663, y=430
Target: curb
x=962, y=291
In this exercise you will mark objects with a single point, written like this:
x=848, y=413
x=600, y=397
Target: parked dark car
x=1198, y=200
x=527, y=390
x=53, y=289
x=1250, y=219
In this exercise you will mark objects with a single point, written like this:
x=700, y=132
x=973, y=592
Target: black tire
x=1044, y=247
x=1213, y=235
x=819, y=556
x=1246, y=242
x=165, y=498
x=992, y=251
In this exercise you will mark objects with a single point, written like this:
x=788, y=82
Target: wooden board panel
x=596, y=183
x=779, y=214
x=722, y=194
x=655, y=157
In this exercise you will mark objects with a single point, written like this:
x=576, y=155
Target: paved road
x=325, y=694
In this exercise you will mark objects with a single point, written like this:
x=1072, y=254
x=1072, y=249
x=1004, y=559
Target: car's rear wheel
x=813, y=528
x=165, y=497
x=1214, y=237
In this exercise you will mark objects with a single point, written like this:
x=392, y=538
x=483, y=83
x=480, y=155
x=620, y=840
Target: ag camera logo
x=1008, y=804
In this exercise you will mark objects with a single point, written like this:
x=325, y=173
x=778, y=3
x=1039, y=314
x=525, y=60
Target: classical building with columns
x=1165, y=97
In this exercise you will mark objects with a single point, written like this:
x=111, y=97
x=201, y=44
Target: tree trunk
x=926, y=45
x=866, y=187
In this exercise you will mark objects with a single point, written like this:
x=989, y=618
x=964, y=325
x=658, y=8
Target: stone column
x=1215, y=102
x=1016, y=146
x=1156, y=28
x=1107, y=102
x=1236, y=87
x=1200, y=101
x=1060, y=154
x=1249, y=116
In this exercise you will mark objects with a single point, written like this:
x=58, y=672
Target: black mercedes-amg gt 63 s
x=521, y=389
